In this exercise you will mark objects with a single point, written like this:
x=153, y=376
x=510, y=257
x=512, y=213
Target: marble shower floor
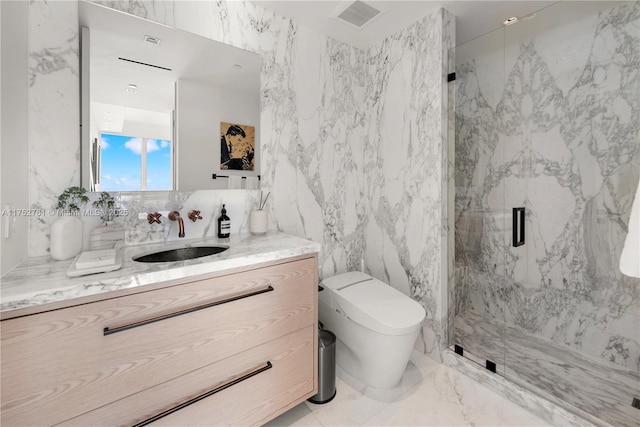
x=430, y=394
x=600, y=391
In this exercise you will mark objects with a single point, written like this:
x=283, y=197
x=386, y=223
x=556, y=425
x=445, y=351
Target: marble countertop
x=42, y=280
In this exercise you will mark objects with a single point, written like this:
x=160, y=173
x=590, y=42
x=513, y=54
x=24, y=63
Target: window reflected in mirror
x=132, y=163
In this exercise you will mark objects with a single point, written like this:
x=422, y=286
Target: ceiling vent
x=358, y=14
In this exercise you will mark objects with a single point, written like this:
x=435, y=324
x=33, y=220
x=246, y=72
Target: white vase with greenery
x=66, y=231
x=108, y=234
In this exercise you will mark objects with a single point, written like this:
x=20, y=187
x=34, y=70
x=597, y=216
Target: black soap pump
x=224, y=224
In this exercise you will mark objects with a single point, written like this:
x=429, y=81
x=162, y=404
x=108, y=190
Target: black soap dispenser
x=224, y=224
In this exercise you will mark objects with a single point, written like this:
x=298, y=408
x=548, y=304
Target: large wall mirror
x=164, y=109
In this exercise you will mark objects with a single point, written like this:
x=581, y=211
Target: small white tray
x=72, y=271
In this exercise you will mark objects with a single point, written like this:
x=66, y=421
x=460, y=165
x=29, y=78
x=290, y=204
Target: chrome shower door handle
x=518, y=227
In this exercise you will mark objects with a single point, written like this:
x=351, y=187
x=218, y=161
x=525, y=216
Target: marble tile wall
x=554, y=127
x=54, y=111
x=238, y=204
x=406, y=167
x=311, y=116
x=353, y=145
x=311, y=107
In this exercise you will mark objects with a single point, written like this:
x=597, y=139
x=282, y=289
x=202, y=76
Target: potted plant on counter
x=109, y=233
x=66, y=231
x=105, y=206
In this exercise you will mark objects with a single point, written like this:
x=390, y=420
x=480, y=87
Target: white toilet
x=376, y=326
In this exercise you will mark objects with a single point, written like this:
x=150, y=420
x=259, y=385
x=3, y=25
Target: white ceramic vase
x=258, y=221
x=66, y=237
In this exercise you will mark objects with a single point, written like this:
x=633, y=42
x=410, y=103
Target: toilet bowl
x=376, y=326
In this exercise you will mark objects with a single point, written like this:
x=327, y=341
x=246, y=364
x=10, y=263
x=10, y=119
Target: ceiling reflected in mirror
x=165, y=88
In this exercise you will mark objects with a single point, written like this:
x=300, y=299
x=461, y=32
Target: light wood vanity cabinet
x=233, y=349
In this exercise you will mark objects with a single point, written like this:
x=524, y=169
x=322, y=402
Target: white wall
x=15, y=147
x=200, y=109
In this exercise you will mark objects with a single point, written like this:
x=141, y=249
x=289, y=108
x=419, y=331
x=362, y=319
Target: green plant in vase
x=110, y=233
x=66, y=231
x=105, y=205
x=72, y=199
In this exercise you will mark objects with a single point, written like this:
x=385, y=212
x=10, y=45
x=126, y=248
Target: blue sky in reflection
x=121, y=163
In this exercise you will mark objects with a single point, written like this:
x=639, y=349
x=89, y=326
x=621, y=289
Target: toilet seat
x=374, y=304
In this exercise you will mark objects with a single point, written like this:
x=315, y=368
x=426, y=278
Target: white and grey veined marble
x=561, y=138
x=54, y=79
x=599, y=391
x=238, y=204
x=547, y=410
x=54, y=90
x=328, y=112
x=429, y=394
x=41, y=280
x=311, y=111
x=406, y=168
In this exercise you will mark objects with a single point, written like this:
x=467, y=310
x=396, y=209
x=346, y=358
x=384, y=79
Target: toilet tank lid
x=375, y=304
x=345, y=279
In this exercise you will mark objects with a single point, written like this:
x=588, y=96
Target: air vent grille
x=358, y=14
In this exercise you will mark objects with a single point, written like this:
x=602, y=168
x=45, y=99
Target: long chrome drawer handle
x=198, y=398
x=109, y=331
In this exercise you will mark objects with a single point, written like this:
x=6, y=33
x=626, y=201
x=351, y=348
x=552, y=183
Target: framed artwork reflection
x=237, y=147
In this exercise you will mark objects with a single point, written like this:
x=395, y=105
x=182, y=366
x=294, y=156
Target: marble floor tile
x=448, y=398
x=351, y=406
x=596, y=389
x=429, y=394
x=299, y=416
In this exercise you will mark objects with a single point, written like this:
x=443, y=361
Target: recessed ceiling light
x=511, y=21
x=132, y=88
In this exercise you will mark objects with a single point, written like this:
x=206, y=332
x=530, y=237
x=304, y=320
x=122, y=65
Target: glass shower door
x=569, y=117
x=481, y=219
x=547, y=161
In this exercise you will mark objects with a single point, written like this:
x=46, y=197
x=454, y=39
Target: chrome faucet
x=175, y=216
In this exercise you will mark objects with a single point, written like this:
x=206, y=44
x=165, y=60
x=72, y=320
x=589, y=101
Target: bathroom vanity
x=229, y=339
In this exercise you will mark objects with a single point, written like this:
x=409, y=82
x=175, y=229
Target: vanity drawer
x=268, y=377
x=62, y=363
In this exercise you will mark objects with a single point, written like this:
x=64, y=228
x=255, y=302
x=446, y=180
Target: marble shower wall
x=553, y=127
x=406, y=168
x=353, y=145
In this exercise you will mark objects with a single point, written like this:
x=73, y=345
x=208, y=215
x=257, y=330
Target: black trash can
x=326, y=367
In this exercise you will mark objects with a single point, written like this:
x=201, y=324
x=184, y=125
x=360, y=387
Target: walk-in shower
x=547, y=160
